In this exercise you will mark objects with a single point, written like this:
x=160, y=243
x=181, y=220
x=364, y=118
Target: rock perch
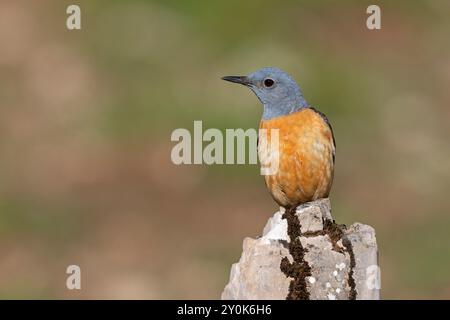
x=304, y=254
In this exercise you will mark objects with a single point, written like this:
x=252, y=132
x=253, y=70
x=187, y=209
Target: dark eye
x=268, y=83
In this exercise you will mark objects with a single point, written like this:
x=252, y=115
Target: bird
x=307, y=145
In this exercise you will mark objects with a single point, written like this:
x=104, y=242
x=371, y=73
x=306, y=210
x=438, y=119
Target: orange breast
x=306, y=164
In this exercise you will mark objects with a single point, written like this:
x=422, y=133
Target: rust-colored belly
x=306, y=158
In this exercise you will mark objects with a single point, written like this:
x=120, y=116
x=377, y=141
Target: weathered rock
x=322, y=260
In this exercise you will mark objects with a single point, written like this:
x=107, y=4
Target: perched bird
x=306, y=140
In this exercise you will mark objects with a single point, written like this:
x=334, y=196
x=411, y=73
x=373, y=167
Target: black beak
x=238, y=79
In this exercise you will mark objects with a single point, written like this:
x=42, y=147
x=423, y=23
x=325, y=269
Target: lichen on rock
x=304, y=254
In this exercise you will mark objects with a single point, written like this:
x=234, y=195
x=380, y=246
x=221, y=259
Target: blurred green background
x=86, y=118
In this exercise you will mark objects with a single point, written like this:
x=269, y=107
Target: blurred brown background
x=86, y=118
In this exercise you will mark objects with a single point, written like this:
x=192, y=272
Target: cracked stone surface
x=343, y=263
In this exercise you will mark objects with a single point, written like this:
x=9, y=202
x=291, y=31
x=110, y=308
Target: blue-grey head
x=277, y=91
